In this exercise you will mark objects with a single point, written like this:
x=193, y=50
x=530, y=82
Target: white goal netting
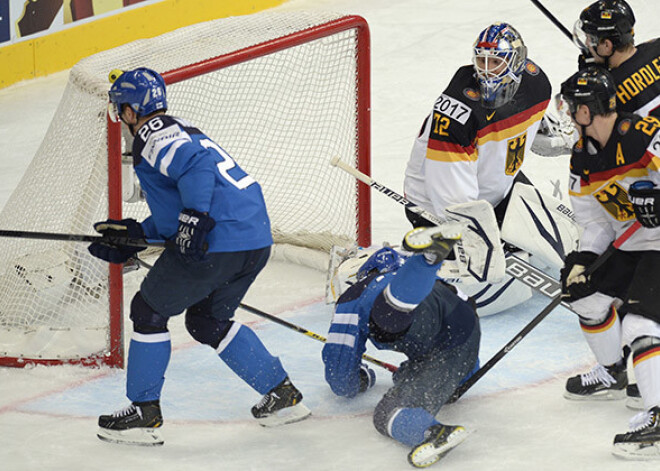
x=281, y=92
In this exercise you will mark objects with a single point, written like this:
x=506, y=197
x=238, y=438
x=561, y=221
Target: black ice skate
x=600, y=384
x=634, y=398
x=643, y=440
x=282, y=405
x=440, y=440
x=432, y=242
x=137, y=424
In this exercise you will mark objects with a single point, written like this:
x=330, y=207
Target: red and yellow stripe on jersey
x=648, y=163
x=614, y=164
x=512, y=126
x=499, y=131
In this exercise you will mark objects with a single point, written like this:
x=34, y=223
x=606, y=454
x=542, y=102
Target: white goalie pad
x=540, y=224
x=342, y=269
x=492, y=298
x=479, y=253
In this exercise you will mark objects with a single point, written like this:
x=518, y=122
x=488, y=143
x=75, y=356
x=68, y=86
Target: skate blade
x=637, y=451
x=635, y=403
x=609, y=395
x=425, y=455
x=136, y=436
x=288, y=415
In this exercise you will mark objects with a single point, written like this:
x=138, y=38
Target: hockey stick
x=515, y=266
x=302, y=330
x=87, y=238
x=554, y=19
x=366, y=179
x=541, y=315
x=318, y=337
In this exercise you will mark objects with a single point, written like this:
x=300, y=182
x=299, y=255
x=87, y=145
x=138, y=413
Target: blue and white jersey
x=379, y=309
x=179, y=167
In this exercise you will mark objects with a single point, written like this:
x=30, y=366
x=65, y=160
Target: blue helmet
x=142, y=89
x=499, y=61
x=382, y=261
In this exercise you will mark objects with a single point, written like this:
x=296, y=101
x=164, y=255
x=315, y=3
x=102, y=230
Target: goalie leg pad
x=540, y=224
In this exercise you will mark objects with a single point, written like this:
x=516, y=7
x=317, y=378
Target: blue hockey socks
x=148, y=357
x=408, y=425
x=244, y=353
x=414, y=281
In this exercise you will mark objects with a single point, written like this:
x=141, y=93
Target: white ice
x=517, y=413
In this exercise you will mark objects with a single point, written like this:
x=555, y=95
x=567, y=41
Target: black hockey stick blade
x=84, y=238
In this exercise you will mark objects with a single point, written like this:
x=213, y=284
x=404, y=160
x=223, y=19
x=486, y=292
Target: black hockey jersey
x=638, y=81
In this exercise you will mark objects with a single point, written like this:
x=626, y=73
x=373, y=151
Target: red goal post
x=282, y=92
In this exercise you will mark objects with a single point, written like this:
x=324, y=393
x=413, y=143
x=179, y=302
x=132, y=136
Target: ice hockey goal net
x=282, y=92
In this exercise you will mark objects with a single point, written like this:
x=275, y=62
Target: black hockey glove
x=574, y=284
x=367, y=377
x=645, y=199
x=116, y=253
x=194, y=227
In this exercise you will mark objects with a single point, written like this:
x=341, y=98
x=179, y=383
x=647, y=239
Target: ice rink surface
x=517, y=414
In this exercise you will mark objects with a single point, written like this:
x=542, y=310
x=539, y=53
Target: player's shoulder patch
x=472, y=94
x=452, y=108
x=532, y=68
x=624, y=126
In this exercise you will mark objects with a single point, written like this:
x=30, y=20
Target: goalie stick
x=541, y=315
x=87, y=238
x=515, y=266
x=297, y=328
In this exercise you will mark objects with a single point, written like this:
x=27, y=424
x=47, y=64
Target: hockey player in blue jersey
x=216, y=215
x=401, y=305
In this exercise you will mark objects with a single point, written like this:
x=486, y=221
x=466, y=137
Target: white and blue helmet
x=142, y=89
x=499, y=61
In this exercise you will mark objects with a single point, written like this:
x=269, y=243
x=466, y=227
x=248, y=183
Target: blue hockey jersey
x=179, y=167
x=442, y=321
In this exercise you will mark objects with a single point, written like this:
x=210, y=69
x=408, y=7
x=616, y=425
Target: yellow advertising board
x=39, y=37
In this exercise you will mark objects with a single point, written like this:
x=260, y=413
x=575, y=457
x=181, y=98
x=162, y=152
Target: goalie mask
x=142, y=89
x=499, y=62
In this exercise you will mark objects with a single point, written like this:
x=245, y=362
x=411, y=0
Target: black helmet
x=594, y=87
x=606, y=19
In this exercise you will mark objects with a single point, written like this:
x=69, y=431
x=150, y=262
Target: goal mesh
x=282, y=92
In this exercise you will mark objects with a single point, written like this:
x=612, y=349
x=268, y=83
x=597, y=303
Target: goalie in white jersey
x=473, y=143
x=475, y=140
